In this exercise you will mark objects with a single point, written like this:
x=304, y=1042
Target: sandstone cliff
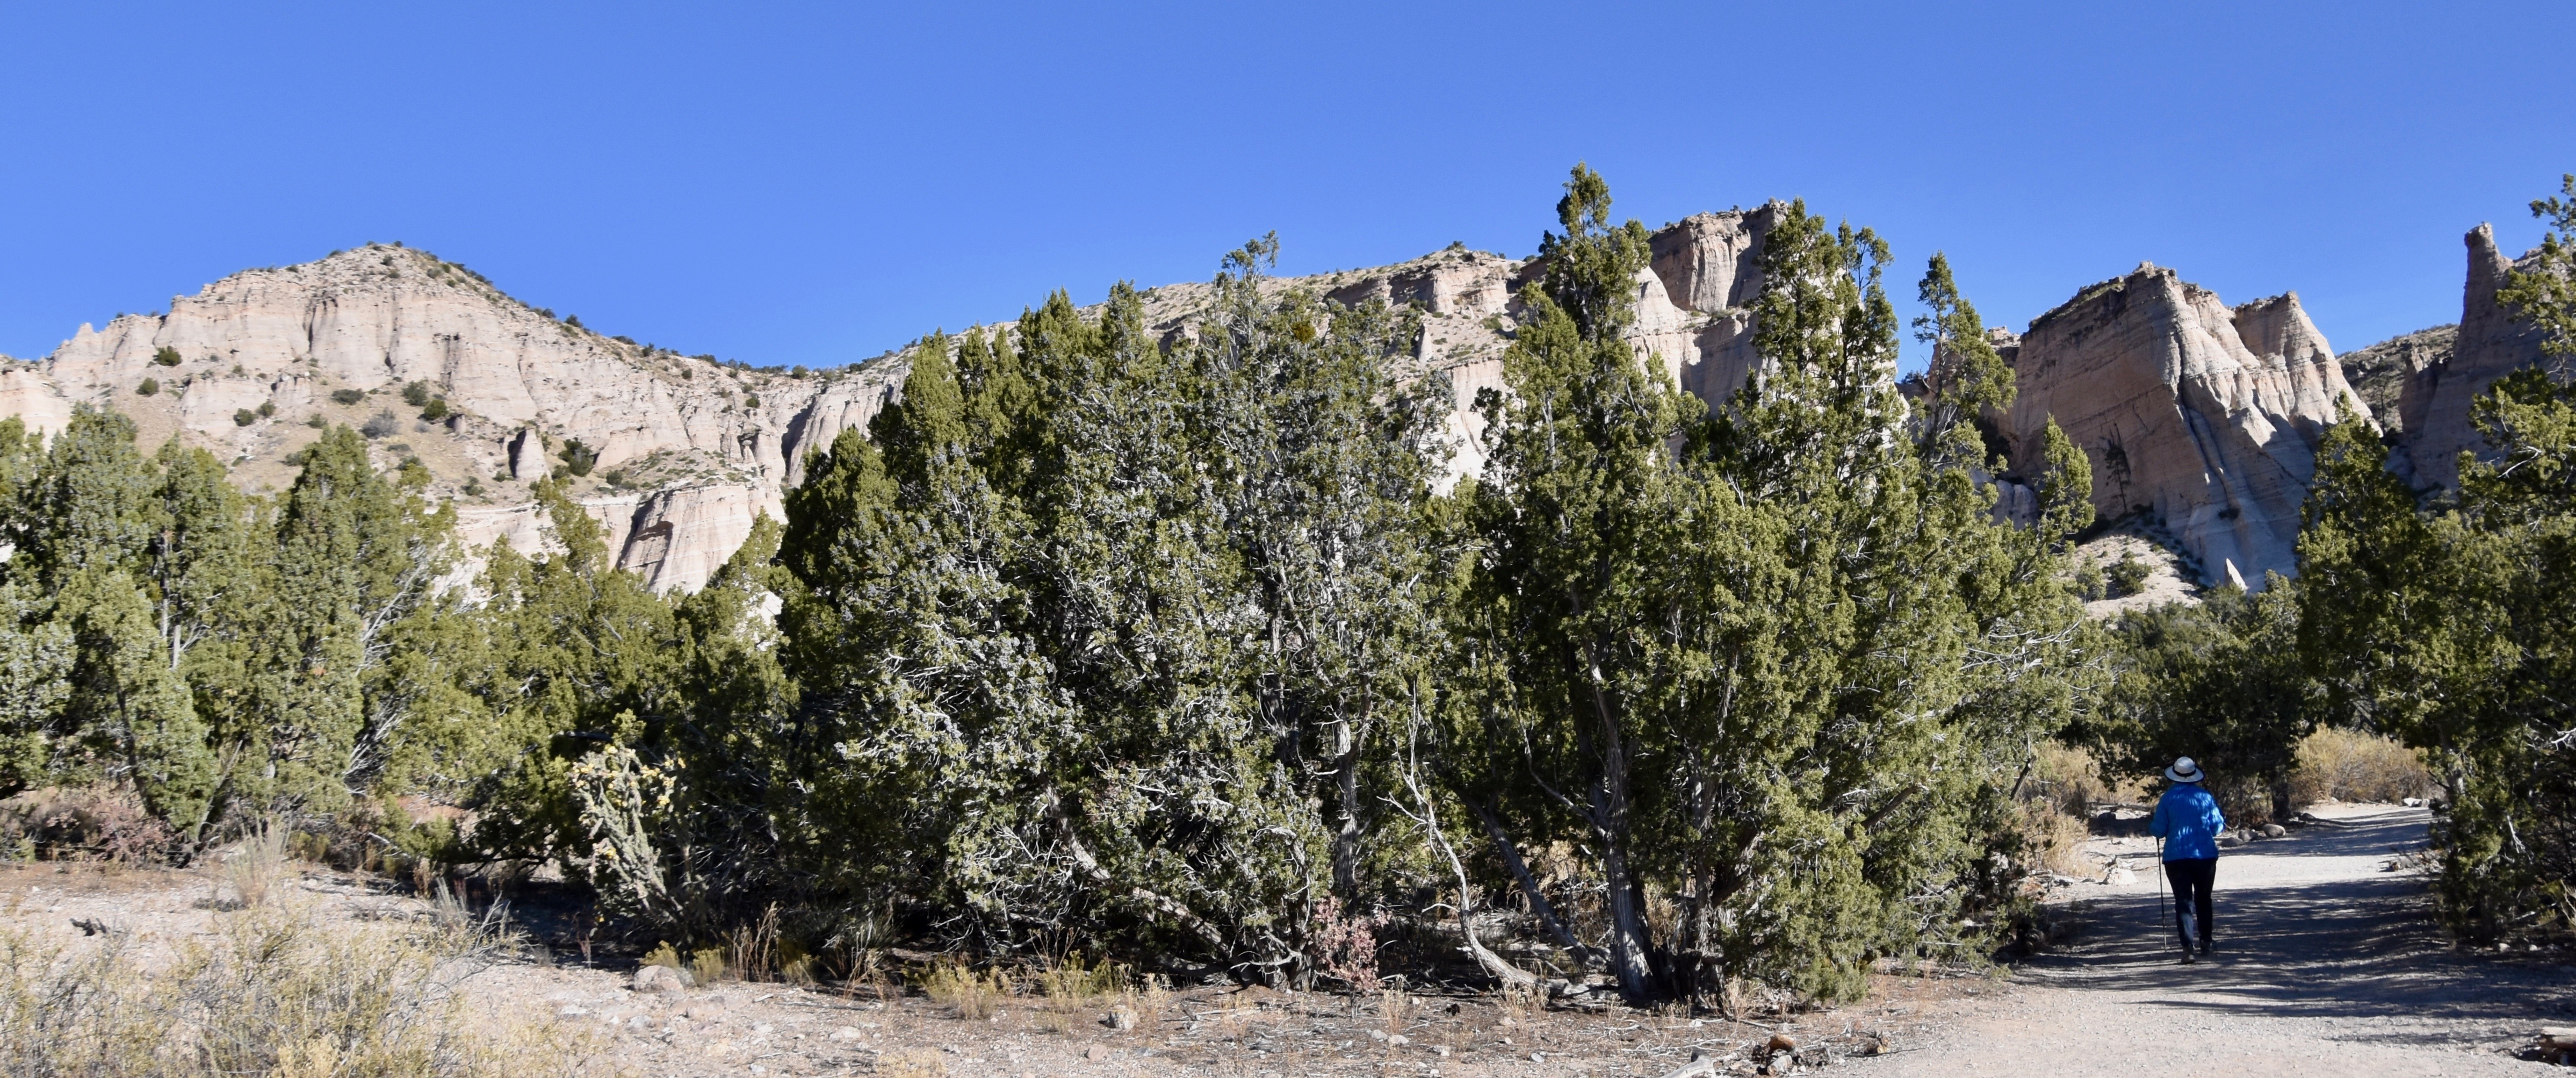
x=2203, y=416
x=2380, y=372
x=2491, y=343
x=687, y=449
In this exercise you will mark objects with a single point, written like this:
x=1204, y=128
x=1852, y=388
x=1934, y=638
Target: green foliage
x=243, y=417
x=435, y=410
x=166, y=356
x=416, y=394
x=345, y=397
x=2448, y=627
x=267, y=409
x=2128, y=576
x=1767, y=675
x=2546, y=292
x=578, y=459
x=149, y=387
x=2222, y=683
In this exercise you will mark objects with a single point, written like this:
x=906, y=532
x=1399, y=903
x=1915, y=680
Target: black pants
x=2191, y=880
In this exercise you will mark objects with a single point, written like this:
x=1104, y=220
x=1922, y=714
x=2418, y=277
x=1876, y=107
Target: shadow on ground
x=2359, y=948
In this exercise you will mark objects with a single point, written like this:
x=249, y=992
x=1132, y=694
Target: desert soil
x=2328, y=966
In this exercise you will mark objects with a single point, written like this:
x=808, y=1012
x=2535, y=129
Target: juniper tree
x=1573, y=521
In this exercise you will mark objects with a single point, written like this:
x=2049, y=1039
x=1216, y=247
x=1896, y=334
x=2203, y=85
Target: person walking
x=2187, y=818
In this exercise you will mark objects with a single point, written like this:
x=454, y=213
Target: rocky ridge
x=2202, y=416
x=2488, y=344
x=686, y=450
x=2198, y=417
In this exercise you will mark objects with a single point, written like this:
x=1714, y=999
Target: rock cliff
x=685, y=449
x=2204, y=416
x=2490, y=343
x=2380, y=372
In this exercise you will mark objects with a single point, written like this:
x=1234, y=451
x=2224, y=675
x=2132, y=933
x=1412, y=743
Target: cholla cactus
x=622, y=801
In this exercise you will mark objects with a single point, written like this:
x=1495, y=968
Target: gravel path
x=2327, y=965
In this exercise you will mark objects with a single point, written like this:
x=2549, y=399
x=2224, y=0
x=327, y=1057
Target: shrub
x=382, y=424
x=166, y=356
x=254, y=866
x=2128, y=577
x=2347, y=765
x=346, y=397
x=578, y=458
x=435, y=410
x=972, y=995
x=149, y=387
x=243, y=417
x=273, y=992
x=316, y=421
x=416, y=394
x=267, y=409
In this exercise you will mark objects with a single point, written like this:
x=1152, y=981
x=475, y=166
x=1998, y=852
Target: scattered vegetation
x=273, y=992
x=166, y=356
x=577, y=458
x=149, y=387
x=346, y=397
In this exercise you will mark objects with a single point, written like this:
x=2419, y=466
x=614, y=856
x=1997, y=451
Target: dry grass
x=275, y=991
x=972, y=995
x=255, y=866
x=2347, y=765
x=914, y=1063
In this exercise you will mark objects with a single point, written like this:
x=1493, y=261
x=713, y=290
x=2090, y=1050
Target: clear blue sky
x=815, y=184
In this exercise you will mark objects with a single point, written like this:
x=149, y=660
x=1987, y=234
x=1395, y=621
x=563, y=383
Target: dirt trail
x=2327, y=965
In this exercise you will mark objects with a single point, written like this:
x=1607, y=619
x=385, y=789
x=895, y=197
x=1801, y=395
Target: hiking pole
x=2162, y=922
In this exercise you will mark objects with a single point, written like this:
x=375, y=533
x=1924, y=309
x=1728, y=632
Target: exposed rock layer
x=687, y=450
x=2202, y=416
x=2491, y=343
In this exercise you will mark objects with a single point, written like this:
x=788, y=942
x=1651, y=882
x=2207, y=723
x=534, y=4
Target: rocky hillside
x=675, y=454
x=2198, y=417
x=2380, y=372
x=2433, y=403
x=2201, y=416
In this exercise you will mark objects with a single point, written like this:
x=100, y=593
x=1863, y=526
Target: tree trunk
x=1511, y=855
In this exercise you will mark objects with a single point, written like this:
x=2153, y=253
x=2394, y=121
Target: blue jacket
x=2187, y=818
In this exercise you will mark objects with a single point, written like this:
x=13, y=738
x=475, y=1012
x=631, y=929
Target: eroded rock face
x=687, y=450
x=2490, y=344
x=2380, y=372
x=2204, y=416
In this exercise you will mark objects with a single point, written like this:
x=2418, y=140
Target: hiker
x=2187, y=818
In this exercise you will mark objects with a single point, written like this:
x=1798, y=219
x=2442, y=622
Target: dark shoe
x=2187, y=957
x=2204, y=948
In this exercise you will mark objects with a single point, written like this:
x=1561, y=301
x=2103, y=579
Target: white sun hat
x=2184, y=770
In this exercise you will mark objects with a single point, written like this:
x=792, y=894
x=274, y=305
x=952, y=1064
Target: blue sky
x=815, y=184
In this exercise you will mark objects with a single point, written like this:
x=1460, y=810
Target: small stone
x=764, y=1027
x=1538, y=1057
x=1442, y=1049
x=847, y=1033
x=1097, y=1053
x=2273, y=830
x=659, y=979
x=1121, y=1019
x=1398, y=1040
x=1781, y=1042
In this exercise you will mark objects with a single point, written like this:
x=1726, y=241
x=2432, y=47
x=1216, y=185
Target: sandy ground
x=2327, y=965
